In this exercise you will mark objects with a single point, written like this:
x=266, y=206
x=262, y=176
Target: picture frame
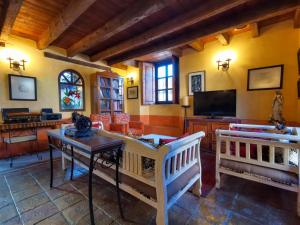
x=265, y=78
x=196, y=81
x=22, y=88
x=132, y=92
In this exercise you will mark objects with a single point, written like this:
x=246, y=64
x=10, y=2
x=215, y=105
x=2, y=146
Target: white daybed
x=177, y=168
x=250, y=152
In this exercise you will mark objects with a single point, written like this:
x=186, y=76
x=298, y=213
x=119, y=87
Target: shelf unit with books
x=107, y=93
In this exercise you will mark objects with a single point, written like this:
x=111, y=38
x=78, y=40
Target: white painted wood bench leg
x=161, y=193
x=198, y=184
x=161, y=216
x=197, y=188
x=218, y=175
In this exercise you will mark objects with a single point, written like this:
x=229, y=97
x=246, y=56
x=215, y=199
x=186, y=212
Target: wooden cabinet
x=107, y=93
x=209, y=126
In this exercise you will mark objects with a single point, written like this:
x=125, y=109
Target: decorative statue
x=75, y=116
x=277, y=118
x=82, y=126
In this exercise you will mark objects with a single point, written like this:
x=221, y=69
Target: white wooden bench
x=177, y=168
x=263, y=157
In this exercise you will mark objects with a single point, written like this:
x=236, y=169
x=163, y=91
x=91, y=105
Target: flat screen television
x=215, y=103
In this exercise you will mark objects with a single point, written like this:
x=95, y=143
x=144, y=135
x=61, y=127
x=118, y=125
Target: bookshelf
x=107, y=93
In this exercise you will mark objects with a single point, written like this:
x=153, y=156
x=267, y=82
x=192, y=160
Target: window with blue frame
x=166, y=80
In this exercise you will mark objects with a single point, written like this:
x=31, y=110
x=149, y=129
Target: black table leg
x=72, y=162
x=51, y=162
x=91, y=168
x=117, y=181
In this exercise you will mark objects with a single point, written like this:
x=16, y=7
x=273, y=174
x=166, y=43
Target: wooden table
x=5, y=127
x=93, y=146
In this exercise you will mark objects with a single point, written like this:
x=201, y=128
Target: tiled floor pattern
x=26, y=160
x=25, y=198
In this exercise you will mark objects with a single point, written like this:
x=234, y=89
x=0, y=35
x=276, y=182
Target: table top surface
x=43, y=123
x=93, y=144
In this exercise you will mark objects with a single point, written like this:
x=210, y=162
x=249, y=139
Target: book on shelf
x=105, y=105
x=118, y=105
x=115, y=83
x=104, y=93
x=104, y=82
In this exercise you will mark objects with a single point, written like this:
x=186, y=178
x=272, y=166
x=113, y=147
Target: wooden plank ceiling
x=149, y=30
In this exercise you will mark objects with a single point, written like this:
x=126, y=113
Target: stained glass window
x=71, y=91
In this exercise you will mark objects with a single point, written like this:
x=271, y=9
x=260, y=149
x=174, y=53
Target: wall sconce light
x=16, y=65
x=224, y=64
x=130, y=81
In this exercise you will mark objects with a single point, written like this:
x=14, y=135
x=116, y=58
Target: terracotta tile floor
x=25, y=198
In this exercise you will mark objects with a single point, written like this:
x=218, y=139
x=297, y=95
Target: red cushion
x=95, y=125
x=164, y=141
x=253, y=150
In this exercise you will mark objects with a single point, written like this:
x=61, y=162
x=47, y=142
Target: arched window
x=71, y=91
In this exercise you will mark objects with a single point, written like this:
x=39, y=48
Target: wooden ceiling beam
x=130, y=17
x=197, y=45
x=176, y=51
x=201, y=13
x=267, y=10
x=63, y=21
x=255, y=30
x=223, y=38
x=12, y=9
x=297, y=18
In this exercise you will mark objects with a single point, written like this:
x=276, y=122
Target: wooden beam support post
x=197, y=45
x=176, y=51
x=254, y=14
x=130, y=17
x=255, y=30
x=223, y=38
x=201, y=13
x=11, y=13
x=297, y=18
x=63, y=21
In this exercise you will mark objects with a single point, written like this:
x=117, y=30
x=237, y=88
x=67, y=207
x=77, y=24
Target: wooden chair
x=132, y=127
x=105, y=119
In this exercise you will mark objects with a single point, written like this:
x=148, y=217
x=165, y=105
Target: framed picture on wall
x=132, y=92
x=265, y=78
x=22, y=88
x=196, y=82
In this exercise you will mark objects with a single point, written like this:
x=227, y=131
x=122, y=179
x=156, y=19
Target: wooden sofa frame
x=225, y=138
x=172, y=161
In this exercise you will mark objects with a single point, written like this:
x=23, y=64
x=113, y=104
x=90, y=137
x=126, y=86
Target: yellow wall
x=278, y=44
x=46, y=71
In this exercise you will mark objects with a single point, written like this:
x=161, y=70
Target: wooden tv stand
x=209, y=126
